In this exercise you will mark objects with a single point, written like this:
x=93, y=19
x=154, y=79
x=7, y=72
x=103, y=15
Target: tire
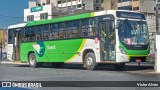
x=90, y=61
x=32, y=61
x=57, y=64
x=119, y=66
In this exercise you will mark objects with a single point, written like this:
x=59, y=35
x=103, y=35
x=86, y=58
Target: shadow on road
x=128, y=67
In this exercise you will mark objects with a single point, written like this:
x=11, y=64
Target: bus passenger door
x=16, y=45
x=107, y=44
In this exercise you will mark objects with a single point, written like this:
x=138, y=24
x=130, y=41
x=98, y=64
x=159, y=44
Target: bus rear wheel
x=90, y=61
x=119, y=66
x=32, y=61
x=57, y=64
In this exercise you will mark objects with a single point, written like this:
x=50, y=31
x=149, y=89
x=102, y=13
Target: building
x=3, y=39
x=48, y=9
x=145, y=6
x=109, y=4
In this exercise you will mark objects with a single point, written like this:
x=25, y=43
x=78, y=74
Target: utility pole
x=157, y=14
x=157, y=61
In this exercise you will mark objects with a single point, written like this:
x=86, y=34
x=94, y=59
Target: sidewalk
x=11, y=62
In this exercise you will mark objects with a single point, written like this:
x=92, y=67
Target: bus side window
x=75, y=28
x=84, y=26
x=27, y=34
x=40, y=32
x=46, y=32
x=33, y=33
x=91, y=28
x=68, y=26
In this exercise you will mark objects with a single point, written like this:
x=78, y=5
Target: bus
x=103, y=37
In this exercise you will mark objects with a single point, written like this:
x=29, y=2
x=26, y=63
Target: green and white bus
x=104, y=37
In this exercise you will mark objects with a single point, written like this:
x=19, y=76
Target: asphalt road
x=74, y=72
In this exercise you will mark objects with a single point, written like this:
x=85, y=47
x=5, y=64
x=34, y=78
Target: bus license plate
x=138, y=60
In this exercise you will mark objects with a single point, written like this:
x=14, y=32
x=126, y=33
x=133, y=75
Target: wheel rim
x=89, y=61
x=32, y=60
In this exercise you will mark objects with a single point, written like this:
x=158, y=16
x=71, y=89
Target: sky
x=12, y=12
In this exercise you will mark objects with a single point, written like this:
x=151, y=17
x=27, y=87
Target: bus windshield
x=133, y=32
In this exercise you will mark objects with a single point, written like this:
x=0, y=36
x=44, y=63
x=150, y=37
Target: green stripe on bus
x=53, y=51
x=61, y=19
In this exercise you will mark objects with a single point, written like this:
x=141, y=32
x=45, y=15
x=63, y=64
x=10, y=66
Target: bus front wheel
x=90, y=61
x=32, y=61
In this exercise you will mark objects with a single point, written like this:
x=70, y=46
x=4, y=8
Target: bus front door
x=107, y=44
x=16, y=45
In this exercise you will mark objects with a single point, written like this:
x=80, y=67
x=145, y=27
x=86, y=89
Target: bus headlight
x=122, y=50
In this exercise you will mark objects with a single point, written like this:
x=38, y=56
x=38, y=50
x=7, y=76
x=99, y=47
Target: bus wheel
x=90, y=61
x=119, y=66
x=57, y=64
x=32, y=61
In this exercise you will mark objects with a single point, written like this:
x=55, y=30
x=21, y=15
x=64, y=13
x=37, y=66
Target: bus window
x=22, y=34
x=84, y=25
x=46, y=32
x=61, y=30
x=91, y=28
x=39, y=32
x=33, y=33
x=75, y=28
x=69, y=29
x=27, y=33
x=10, y=36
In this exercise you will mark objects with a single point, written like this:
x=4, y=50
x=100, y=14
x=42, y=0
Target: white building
x=47, y=9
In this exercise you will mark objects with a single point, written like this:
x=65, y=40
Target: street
x=74, y=72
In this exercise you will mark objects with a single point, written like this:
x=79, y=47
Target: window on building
x=44, y=16
x=59, y=2
x=79, y=5
x=135, y=8
x=74, y=7
x=119, y=1
x=63, y=1
x=125, y=8
x=97, y=8
x=30, y=18
x=97, y=1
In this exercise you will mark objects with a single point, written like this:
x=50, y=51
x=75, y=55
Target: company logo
x=40, y=48
x=6, y=84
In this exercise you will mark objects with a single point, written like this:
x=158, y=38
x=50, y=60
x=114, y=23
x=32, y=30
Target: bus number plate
x=138, y=60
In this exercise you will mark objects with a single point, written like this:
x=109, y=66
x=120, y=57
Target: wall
x=46, y=8
x=147, y=6
x=2, y=38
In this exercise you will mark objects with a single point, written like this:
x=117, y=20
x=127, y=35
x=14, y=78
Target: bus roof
x=17, y=25
x=68, y=18
x=60, y=19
